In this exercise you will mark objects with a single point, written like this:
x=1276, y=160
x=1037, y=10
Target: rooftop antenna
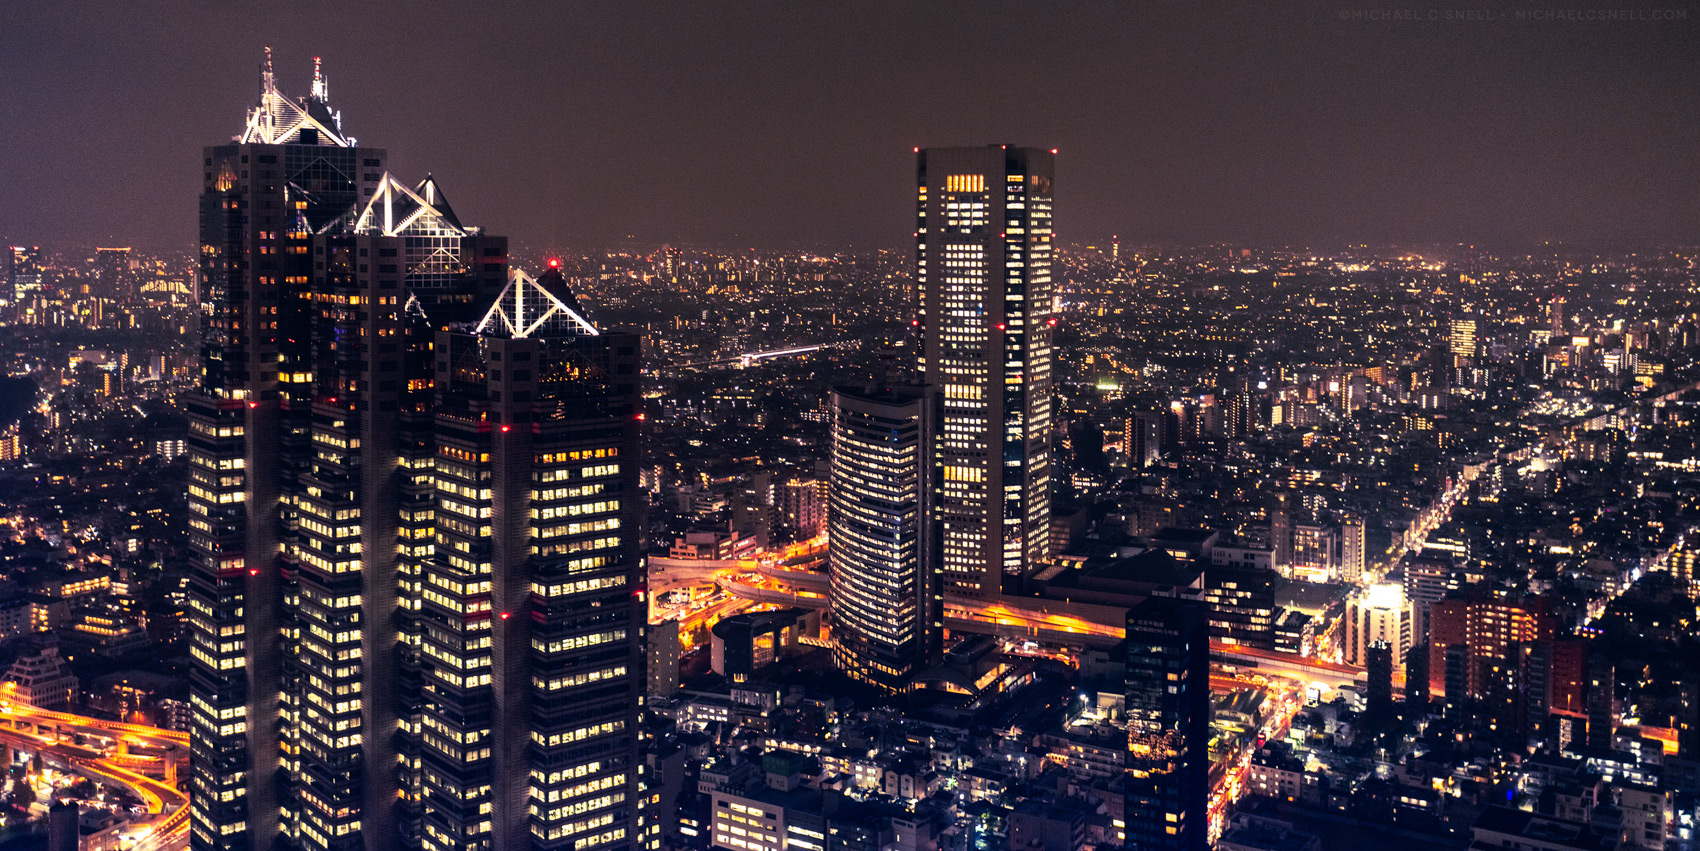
x=319, y=89
x=268, y=83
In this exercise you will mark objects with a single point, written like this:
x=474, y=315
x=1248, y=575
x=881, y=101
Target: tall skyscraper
x=1144, y=438
x=1461, y=341
x=1352, y=549
x=114, y=278
x=983, y=287
x=885, y=602
x=1281, y=533
x=1602, y=700
x=1416, y=678
x=533, y=611
x=1427, y=579
x=1489, y=628
x=362, y=443
x=1379, y=667
x=1168, y=718
x=290, y=174
x=25, y=281
x=1555, y=315
x=413, y=479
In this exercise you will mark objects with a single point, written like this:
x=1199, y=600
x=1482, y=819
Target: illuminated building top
x=528, y=307
x=396, y=210
x=280, y=119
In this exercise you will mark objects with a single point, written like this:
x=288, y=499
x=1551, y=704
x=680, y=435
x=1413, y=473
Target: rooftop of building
x=1311, y=597
x=892, y=394
x=1551, y=832
x=755, y=622
x=1137, y=575
x=1174, y=534
x=1266, y=835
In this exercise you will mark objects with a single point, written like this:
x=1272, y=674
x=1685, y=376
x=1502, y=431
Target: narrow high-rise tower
x=983, y=286
x=357, y=497
x=1168, y=725
x=290, y=174
x=886, y=606
x=533, y=609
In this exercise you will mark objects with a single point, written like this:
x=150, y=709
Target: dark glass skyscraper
x=401, y=548
x=983, y=285
x=532, y=612
x=265, y=198
x=1168, y=720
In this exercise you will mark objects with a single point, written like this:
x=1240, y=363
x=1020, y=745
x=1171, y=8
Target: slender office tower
x=291, y=173
x=360, y=533
x=983, y=286
x=1168, y=725
x=887, y=618
x=1281, y=533
x=533, y=607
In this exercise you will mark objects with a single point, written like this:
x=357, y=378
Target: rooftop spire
x=280, y=119
x=268, y=82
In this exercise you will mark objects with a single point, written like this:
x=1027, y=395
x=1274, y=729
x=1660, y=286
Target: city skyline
x=582, y=514
x=1271, y=126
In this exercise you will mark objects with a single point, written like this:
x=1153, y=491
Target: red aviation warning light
x=554, y=263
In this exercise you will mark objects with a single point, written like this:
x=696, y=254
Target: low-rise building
x=1504, y=827
x=1277, y=773
x=1248, y=832
x=41, y=678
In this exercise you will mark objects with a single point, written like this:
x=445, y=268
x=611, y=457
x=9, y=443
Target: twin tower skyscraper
x=417, y=604
x=942, y=488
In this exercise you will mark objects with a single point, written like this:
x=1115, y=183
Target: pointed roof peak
x=529, y=307
x=281, y=119
x=395, y=209
x=429, y=190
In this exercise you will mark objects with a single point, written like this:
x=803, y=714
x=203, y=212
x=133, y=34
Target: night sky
x=790, y=124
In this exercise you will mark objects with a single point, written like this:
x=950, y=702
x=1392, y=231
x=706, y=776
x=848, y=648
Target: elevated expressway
x=151, y=777
x=1036, y=619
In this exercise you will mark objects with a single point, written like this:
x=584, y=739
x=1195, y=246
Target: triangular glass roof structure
x=528, y=308
x=279, y=118
x=432, y=194
x=396, y=210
